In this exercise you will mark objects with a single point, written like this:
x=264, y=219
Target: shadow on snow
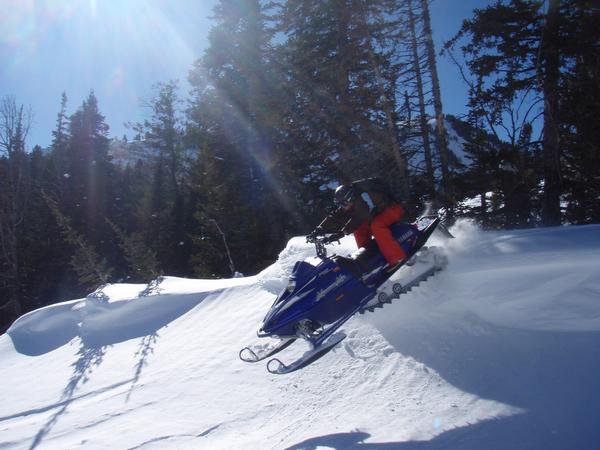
x=552, y=376
x=99, y=326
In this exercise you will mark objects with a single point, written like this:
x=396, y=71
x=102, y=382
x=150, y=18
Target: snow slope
x=500, y=350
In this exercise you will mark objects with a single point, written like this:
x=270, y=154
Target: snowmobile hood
x=285, y=309
x=310, y=287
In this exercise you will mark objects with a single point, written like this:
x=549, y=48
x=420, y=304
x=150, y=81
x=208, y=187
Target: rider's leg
x=362, y=234
x=380, y=227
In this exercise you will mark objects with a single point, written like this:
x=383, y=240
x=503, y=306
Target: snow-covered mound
x=500, y=350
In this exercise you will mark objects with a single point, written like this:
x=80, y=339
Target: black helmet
x=344, y=194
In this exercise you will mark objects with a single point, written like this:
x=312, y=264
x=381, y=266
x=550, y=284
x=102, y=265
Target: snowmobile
x=320, y=298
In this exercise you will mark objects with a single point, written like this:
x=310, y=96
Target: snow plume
x=467, y=235
x=500, y=350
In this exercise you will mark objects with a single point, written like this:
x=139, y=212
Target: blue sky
x=121, y=48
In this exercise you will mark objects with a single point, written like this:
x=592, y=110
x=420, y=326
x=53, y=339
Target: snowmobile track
x=384, y=298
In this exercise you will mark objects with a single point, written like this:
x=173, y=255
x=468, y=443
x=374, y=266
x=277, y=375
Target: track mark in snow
x=365, y=345
x=177, y=436
x=107, y=417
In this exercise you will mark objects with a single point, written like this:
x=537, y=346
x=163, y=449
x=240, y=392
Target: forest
x=290, y=99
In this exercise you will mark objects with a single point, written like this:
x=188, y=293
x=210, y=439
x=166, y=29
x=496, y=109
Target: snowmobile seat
x=350, y=265
x=364, y=254
x=358, y=265
x=362, y=261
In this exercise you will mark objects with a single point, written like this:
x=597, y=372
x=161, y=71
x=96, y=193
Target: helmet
x=344, y=194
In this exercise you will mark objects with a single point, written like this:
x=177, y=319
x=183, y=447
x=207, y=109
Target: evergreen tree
x=549, y=73
x=92, y=269
x=341, y=118
x=50, y=278
x=40, y=251
x=520, y=54
x=131, y=184
x=142, y=261
x=442, y=140
x=418, y=73
x=224, y=218
x=60, y=140
x=580, y=109
x=88, y=195
x=233, y=118
x=162, y=213
x=15, y=188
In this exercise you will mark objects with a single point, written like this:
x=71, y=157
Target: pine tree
x=579, y=110
x=163, y=209
x=442, y=139
x=36, y=226
x=341, y=117
x=88, y=195
x=223, y=218
x=92, y=269
x=142, y=261
x=375, y=32
x=233, y=117
x=417, y=72
x=520, y=54
x=550, y=61
x=15, y=187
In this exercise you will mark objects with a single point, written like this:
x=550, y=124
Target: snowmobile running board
x=276, y=367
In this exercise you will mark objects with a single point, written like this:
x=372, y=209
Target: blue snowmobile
x=319, y=299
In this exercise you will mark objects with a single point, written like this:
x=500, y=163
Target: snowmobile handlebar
x=319, y=237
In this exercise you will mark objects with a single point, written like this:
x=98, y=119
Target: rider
x=368, y=209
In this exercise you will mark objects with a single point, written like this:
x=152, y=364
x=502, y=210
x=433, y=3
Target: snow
x=500, y=350
x=455, y=141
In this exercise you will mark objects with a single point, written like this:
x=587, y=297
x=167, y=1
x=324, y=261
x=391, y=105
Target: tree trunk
x=448, y=200
x=388, y=109
x=392, y=132
x=551, y=214
x=10, y=254
x=483, y=200
x=15, y=288
x=423, y=117
x=345, y=136
x=14, y=125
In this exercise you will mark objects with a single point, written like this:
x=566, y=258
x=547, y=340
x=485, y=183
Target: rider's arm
x=375, y=193
x=334, y=222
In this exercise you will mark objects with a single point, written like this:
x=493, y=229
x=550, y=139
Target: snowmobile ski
x=275, y=366
x=257, y=353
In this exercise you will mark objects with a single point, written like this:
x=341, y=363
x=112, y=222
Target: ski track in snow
x=499, y=350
